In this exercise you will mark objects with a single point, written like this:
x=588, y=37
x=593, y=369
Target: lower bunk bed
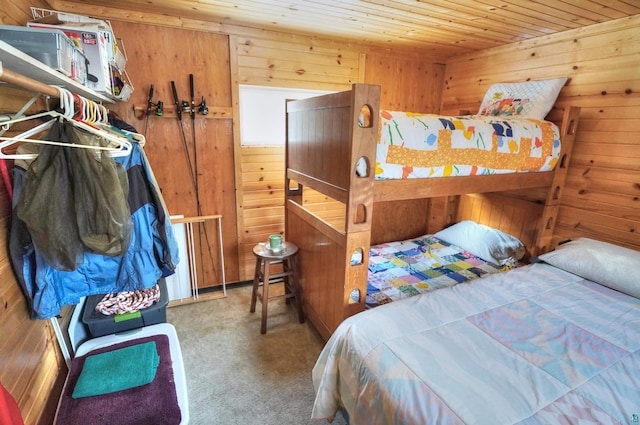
x=336, y=208
x=556, y=341
x=458, y=254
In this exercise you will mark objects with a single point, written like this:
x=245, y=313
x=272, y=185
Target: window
x=263, y=113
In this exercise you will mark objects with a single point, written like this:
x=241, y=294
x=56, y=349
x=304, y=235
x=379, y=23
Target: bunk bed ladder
x=544, y=239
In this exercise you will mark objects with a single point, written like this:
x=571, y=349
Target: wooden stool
x=264, y=259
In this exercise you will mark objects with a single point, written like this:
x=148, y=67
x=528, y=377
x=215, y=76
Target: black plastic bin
x=100, y=324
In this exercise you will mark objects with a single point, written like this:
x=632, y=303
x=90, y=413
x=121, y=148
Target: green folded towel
x=117, y=370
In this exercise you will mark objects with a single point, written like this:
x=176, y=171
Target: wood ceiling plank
x=589, y=9
x=628, y=7
x=522, y=13
x=607, y=8
x=499, y=16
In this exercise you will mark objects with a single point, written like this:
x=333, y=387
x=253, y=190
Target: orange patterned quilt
x=422, y=145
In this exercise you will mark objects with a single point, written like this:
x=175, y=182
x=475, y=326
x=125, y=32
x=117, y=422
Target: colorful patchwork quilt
x=422, y=145
x=403, y=269
x=534, y=345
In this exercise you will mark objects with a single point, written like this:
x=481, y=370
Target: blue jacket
x=152, y=252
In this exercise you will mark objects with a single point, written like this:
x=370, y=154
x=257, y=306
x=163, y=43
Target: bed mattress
x=534, y=345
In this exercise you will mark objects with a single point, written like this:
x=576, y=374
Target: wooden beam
x=388, y=190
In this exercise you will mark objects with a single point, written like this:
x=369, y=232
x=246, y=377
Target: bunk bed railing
x=326, y=160
x=309, y=151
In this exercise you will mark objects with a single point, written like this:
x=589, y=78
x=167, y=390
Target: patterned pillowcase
x=530, y=99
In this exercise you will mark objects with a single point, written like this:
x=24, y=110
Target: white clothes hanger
x=119, y=145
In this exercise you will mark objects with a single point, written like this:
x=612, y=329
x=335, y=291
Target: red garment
x=9, y=411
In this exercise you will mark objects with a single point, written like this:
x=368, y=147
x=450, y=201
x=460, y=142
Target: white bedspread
x=535, y=345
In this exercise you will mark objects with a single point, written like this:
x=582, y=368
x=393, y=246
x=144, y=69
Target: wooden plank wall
x=302, y=62
x=277, y=60
x=407, y=83
x=261, y=197
x=603, y=184
x=151, y=51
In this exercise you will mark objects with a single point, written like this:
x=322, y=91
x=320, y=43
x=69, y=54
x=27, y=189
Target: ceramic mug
x=275, y=242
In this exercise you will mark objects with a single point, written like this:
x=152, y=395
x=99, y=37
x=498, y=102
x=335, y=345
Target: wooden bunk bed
x=327, y=141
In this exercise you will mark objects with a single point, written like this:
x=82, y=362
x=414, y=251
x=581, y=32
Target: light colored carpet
x=234, y=374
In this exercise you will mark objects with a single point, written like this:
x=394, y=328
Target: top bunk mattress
x=413, y=145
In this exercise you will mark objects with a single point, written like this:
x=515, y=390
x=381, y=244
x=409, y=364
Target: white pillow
x=600, y=262
x=483, y=241
x=530, y=99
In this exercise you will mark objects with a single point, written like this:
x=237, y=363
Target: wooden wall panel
x=17, y=12
x=407, y=84
x=601, y=194
x=261, y=187
x=279, y=60
x=413, y=214
x=153, y=54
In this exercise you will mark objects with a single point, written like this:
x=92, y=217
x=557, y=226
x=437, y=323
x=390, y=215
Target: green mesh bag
x=75, y=200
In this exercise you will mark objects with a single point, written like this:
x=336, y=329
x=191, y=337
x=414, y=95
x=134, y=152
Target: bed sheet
x=416, y=266
x=423, y=145
x=534, y=345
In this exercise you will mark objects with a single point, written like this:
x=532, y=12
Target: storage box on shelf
x=20, y=70
x=117, y=58
x=49, y=46
x=94, y=47
x=100, y=324
x=107, y=62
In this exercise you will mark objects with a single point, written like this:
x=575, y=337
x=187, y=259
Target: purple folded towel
x=155, y=403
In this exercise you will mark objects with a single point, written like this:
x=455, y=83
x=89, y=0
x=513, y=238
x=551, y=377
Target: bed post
x=365, y=100
x=331, y=147
x=547, y=224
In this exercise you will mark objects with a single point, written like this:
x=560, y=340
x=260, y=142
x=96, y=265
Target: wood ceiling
x=442, y=27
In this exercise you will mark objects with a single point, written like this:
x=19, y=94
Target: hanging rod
x=19, y=80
